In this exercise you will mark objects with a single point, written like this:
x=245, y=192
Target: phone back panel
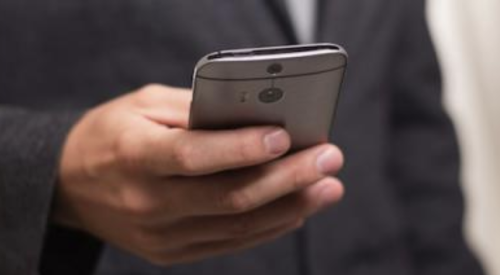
x=232, y=94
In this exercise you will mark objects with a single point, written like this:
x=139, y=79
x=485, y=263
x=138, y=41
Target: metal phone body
x=295, y=87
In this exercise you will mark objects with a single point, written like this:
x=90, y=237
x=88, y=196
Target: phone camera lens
x=275, y=69
x=271, y=95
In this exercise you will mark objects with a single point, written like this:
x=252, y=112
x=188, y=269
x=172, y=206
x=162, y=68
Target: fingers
x=294, y=208
x=243, y=191
x=201, y=237
x=175, y=152
x=212, y=249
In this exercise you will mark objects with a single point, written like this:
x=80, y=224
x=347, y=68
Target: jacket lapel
x=280, y=12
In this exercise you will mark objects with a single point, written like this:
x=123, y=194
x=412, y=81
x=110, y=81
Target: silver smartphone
x=295, y=87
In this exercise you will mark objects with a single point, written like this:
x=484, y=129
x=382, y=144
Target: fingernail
x=327, y=162
x=277, y=142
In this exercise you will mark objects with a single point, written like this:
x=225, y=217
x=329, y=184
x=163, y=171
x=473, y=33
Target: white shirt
x=303, y=15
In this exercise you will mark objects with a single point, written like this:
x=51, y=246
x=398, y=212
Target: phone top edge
x=303, y=50
x=267, y=55
x=266, y=51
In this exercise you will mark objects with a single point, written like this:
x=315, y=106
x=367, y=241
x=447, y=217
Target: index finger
x=192, y=153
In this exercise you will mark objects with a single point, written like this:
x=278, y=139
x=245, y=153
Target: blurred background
x=467, y=37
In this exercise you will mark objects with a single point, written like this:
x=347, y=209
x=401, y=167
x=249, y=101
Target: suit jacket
x=403, y=210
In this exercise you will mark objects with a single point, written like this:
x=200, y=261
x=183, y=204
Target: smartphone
x=294, y=87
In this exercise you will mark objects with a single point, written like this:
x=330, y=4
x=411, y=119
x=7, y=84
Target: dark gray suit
x=403, y=210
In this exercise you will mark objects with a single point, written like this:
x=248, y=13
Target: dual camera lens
x=275, y=69
x=272, y=95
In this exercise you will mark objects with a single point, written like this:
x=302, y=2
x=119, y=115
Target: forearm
x=30, y=145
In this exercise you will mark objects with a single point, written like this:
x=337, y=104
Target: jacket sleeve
x=30, y=144
x=424, y=164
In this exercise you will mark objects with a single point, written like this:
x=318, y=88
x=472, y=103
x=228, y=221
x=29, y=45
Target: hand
x=132, y=175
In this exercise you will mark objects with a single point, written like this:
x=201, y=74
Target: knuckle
x=150, y=89
x=148, y=95
x=299, y=174
x=138, y=206
x=183, y=154
x=296, y=177
x=237, y=202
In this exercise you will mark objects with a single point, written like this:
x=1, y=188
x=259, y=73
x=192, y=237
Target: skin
x=133, y=176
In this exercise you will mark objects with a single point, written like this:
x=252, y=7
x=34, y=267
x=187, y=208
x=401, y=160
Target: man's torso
x=75, y=54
